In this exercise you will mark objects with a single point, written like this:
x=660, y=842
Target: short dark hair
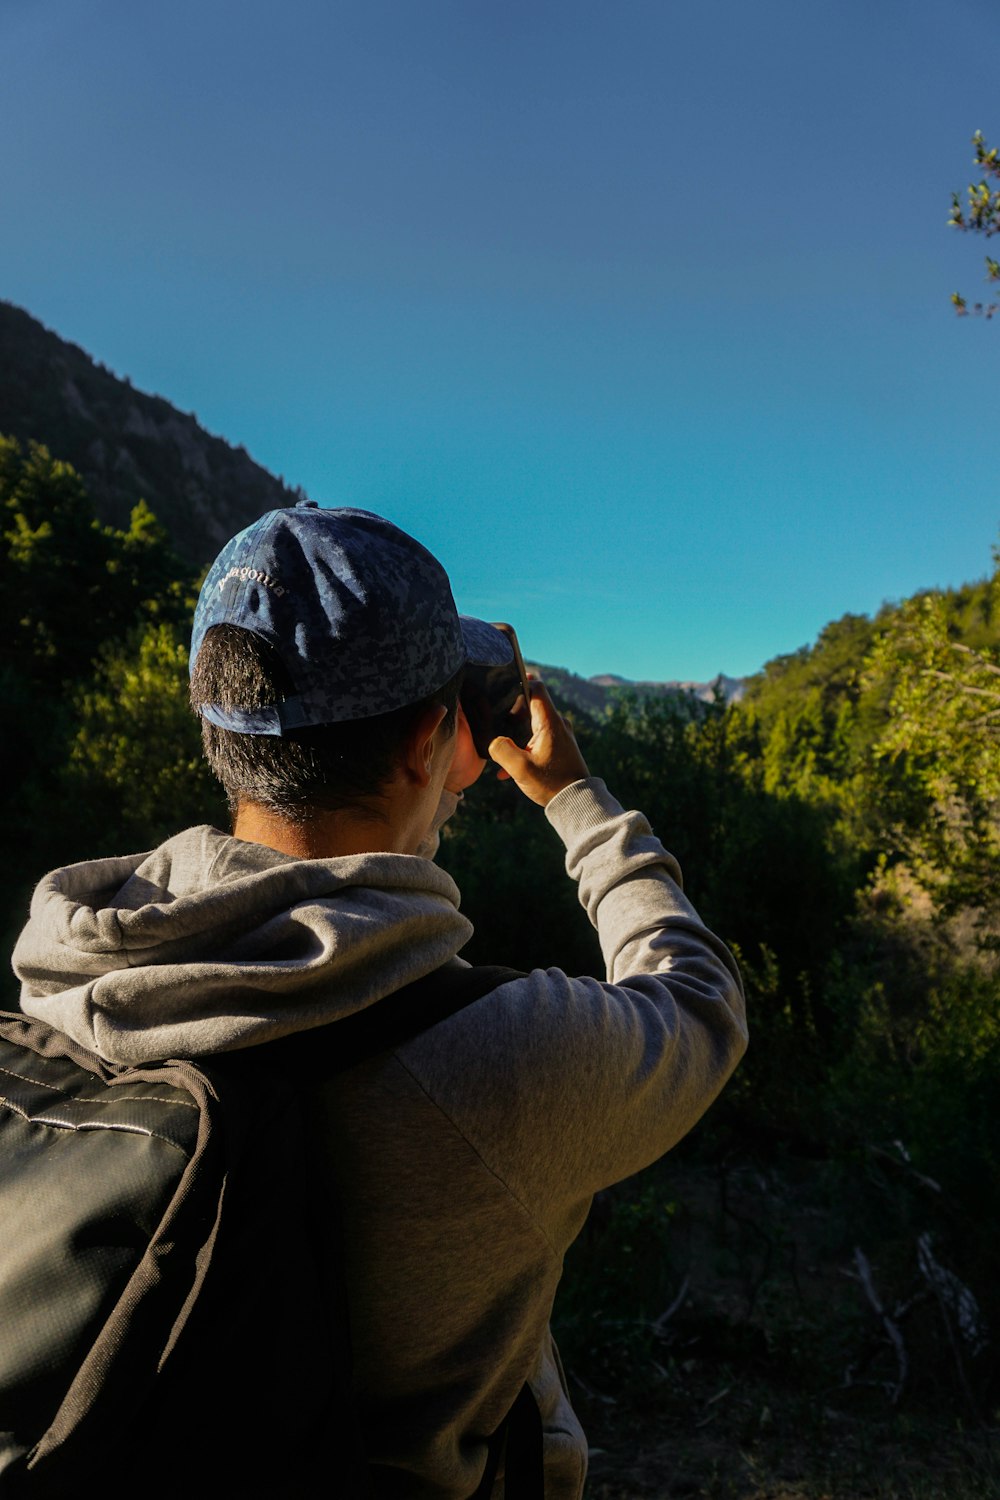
x=323, y=768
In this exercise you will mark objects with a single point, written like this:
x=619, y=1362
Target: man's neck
x=322, y=836
x=395, y=826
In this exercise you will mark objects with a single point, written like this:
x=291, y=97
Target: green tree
x=980, y=215
x=937, y=760
x=71, y=584
x=135, y=761
x=72, y=588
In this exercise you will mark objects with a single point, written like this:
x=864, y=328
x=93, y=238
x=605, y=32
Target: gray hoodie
x=466, y=1160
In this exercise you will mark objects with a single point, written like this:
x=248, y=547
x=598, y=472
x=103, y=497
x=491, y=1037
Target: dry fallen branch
x=660, y=1324
x=746, y=1224
x=959, y=1311
x=863, y=1273
x=903, y=1164
x=589, y=1390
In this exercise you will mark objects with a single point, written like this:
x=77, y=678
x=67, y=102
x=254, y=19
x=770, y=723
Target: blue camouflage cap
x=360, y=614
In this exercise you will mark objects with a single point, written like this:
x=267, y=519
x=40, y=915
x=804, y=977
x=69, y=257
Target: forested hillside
x=814, y=1271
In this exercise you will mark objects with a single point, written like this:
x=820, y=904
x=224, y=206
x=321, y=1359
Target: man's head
x=322, y=640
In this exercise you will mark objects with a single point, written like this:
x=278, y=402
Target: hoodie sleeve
x=566, y=1085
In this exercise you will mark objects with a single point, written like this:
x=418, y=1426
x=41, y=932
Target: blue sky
x=636, y=313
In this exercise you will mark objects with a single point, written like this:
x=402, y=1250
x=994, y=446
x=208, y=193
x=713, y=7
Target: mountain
x=731, y=688
x=127, y=445
x=593, y=695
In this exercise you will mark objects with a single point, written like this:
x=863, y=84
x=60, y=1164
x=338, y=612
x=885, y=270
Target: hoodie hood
x=209, y=944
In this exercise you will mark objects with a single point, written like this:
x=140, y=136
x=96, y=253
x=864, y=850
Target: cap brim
x=485, y=646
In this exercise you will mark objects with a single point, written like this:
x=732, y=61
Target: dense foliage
x=100, y=749
x=838, y=827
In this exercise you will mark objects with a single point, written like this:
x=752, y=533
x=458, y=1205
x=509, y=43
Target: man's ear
x=423, y=744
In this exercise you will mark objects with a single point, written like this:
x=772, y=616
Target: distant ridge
x=595, y=694
x=127, y=445
x=731, y=688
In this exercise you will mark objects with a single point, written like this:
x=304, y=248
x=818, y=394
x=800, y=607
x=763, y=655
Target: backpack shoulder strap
x=388, y=1023
x=418, y=1006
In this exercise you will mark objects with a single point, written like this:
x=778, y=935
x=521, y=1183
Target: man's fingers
x=541, y=706
x=552, y=759
x=507, y=755
x=548, y=727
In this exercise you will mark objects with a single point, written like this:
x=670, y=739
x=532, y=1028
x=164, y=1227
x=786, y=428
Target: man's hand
x=552, y=759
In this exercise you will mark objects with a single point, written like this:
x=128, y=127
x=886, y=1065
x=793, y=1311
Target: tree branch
x=963, y=687
x=987, y=666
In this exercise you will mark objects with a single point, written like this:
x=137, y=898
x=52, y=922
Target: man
x=326, y=661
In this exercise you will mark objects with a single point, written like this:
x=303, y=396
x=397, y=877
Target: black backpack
x=169, y=1273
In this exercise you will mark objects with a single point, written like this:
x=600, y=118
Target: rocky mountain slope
x=125, y=444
